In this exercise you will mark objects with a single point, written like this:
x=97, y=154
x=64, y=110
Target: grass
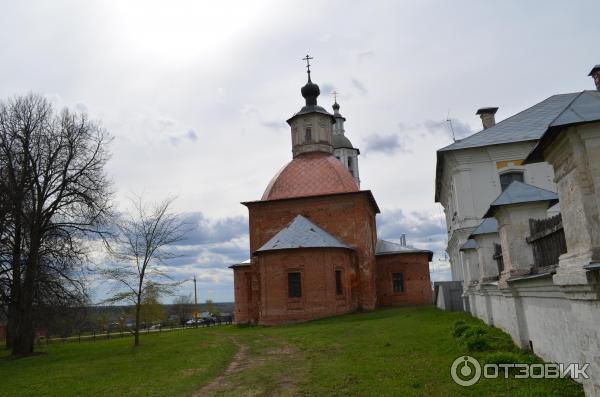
x=400, y=351
x=173, y=363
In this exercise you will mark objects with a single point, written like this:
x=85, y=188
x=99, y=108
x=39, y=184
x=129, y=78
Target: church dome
x=310, y=174
x=340, y=141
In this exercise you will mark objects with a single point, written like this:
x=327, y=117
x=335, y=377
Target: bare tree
x=53, y=194
x=140, y=249
x=183, y=307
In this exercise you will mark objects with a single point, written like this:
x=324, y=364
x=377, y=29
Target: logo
x=465, y=371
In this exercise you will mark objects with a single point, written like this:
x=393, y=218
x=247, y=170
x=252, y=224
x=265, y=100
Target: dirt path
x=262, y=366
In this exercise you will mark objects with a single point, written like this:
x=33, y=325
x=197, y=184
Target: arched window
x=509, y=177
x=308, y=135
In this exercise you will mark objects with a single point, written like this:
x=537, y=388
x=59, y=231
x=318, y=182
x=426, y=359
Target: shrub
x=477, y=343
x=502, y=358
x=474, y=331
x=460, y=329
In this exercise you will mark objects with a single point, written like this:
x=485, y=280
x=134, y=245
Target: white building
x=473, y=171
x=534, y=276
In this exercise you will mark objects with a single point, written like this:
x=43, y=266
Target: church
x=314, y=250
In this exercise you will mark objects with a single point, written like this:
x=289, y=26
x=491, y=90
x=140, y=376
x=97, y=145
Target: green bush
x=502, y=358
x=477, y=343
x=460, y=329
x=474, y=331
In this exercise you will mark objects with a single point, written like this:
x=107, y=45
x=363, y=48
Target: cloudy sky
x=196, y=94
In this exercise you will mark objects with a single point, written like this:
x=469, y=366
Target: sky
x=196, y=94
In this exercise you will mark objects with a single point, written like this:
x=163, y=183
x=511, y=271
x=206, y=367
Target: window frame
x=308, y=134
x=402, y=289
x=510, y=172
x=289, y=283
x=339, y=282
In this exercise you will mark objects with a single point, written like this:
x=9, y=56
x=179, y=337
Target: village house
x=313, y=238
x=528, y=265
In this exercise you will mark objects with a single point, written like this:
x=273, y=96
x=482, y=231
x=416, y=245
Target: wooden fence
x=547, y=240
x=111, y=333
x=498, y=257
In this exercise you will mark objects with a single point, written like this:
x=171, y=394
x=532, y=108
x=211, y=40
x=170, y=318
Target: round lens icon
x=465, y=371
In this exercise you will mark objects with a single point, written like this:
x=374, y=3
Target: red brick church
x=313, y=241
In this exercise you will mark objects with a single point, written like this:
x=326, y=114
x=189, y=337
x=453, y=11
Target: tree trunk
x=10, y=325
x=137, y=321
x=24, y=332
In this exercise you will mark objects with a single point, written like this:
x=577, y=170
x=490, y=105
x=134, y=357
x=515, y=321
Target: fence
x=498, y=257
x=122, y=332
x=547, y=240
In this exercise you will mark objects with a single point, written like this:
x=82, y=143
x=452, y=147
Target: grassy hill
x=393, y=352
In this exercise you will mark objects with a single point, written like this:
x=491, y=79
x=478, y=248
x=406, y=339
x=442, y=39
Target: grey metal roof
x=519, y=192
x=385, y=247
x=302, y=233
x=584, y=108
x=312, y=109
x=469, y=245
x=489, y=225
x=341, y=141
x=240, y=264
x=527, y=125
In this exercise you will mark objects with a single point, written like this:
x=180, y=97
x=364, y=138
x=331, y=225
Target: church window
x=294, y=285
x=350, y=162
x=508, y=177
x=339, y=289
x=398, y=283
x=308, y=135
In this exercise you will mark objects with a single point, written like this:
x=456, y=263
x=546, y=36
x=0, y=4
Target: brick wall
x=350, y=217
x=415, y=274
x=317, y=269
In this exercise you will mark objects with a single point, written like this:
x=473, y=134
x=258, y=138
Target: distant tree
x=53, y=194
x=183, y=307
x=209, y=306
x=151, y=309
x=140, y=251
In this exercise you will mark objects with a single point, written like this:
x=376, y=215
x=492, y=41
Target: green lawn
x=393, y=352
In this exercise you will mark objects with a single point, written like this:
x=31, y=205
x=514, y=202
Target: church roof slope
x=584, y=108
x=341, y=141
x=519, y=192
x=488, y=225
x=302, y=233
x=528, y=125
x=310, y=174
x=470, y=244
x=385, y=247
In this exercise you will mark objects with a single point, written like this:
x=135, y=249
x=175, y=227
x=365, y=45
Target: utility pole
x=195, y=301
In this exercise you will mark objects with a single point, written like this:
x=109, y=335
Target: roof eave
x=262, y=251
x=368, y=192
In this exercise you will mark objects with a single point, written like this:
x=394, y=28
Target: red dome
x=310, y=174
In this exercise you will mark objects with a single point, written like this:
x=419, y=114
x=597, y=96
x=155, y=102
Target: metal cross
x=335, y=94
x=307, y=58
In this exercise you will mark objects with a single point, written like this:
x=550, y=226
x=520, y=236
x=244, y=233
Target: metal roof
x=469, y=245
x=519, y=192
x=302, y=233
x=584, y=108
x=528, y=125
x=341, y=141
x=385, y=247
x=489, y=225
x=240, y=264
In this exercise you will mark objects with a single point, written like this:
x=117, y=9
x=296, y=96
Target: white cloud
x=197, y=94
